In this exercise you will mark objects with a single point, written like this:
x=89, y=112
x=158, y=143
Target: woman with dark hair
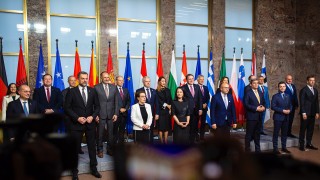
x=163, y=108
x=11, y=96
x=141, y=117
x=181, y=116
x=224, y=79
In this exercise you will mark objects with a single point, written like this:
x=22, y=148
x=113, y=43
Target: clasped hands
x=83, y=120
x=261, y=108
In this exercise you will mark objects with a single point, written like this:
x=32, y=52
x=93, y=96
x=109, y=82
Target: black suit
x=294, y=101
x=309, y=105
x=254, y=119
x=153, y=101
x=205, y=99
x=195, y=105
x=75, y=107
x=120, y=124
x=55, y=102
x=15, y=110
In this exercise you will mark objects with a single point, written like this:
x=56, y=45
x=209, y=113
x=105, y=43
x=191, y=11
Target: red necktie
x=48, y=95
x=121, y=93
x=191, y=89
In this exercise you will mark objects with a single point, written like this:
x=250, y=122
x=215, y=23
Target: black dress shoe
x=302, y=149
x=110, y=153
x=263, y=133
x=276, y=152
x=285, y=151
x=310, y=146
x=292, y=136
x=95, y=173
x=75, y=177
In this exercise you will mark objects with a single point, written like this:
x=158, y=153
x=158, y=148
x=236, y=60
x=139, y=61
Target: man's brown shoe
x=100, y=154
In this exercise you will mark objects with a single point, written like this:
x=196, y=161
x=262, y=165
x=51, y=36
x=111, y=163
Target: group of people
x=104, y=107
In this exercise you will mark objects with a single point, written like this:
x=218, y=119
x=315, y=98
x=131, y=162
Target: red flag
x=110, y=66
x=159, y=67
x=184, y=69
x=143, y=70
x=254, y=64
x=21, y=71
x=3, y=78
x=93, y=76
x=77, y=66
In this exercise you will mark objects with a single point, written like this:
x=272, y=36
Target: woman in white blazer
x=141, y=116
x=11, y=96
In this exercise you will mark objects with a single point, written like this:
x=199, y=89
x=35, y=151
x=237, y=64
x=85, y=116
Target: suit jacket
x=205, y=97
x=136, y=116
x=15, y=108
x=55, y=103
x=278, y=104
x=108, y=105
x=125, y=102
x=309, y=102
x=195, y=103
x=219, y=112
x=163, y=96
x=64, y=94
x=293, y=95
x=251, y=103
x=152, y=101
x=6, y=100
x=265, y=95
x=75, y=107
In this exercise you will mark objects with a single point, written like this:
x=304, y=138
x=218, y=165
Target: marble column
x=36, y=14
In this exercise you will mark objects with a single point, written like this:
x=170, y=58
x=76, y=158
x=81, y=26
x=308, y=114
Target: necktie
x=202, y=91
x=84, y=96
x=48, y=94
x=25, y=109
x=312, y=90
x=225, y=101
x=148, y=94
x=262, y=89
x=282, y=94
x=257, y=95
x=291, y=89
x=106, y=89
x=191, y=90
x=121, y=92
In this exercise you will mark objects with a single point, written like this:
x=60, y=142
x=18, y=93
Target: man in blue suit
x=292, y=92
x=151, y=99
x=264, y=90
x=205, y=99
x=281, y=104
x=223, y=111
x=49, y=98
x=254, y=105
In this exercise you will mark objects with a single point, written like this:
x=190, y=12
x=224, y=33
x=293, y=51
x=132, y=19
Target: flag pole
x=57, y=43
x=143, y=44
x=92, y=44
x=184, y=48
x=159, y=45
x=172, y=47
x=128, y=46
x=20, y=39
x=241, y=50
x=109, y=42
x=1, y=43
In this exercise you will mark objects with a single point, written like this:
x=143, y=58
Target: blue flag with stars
x=58, y=76
x=128, y=83
x=41, y=70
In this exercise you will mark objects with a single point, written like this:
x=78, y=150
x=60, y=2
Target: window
x=11, y=30
x=239, y=32
x=137, y=24
x=192, y=30
x=69, y=21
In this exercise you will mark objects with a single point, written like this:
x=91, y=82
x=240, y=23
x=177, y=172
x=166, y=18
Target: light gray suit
x=108, y=108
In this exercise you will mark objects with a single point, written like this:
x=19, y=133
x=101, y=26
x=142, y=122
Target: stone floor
x=105, y=165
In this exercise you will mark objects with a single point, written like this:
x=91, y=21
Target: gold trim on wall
x=49, y=70
x=137, y=20
x=97, y=55
x=11, y=54
x=25, y=34
x=253, y=25
x=158, y=16
x=191, y=24
x=239, y=28
x=73, y=16
x=11, y=11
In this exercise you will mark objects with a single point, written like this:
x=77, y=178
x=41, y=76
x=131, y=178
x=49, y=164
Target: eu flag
x=129, y=85
x=41, y=70
x=198, y=68
x=58, y=76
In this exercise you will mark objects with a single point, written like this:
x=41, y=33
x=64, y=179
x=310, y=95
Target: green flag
x=223, y=71
x=172, y=83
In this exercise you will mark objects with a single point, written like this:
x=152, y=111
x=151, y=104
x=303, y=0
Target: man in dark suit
x=124, y=106
x=82, y=106
x=151, y=99
x=223, y=112
x=309, y=110
x=281, y=104
x=108, y=98
x=205, y=99
x=23, y=106
x=248, y=87
x=192, y=93
x=254, y=105
x=265, y=92
x=49, y=98
x=292, y=92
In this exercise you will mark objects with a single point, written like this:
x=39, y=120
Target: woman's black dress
x=181, y=110
x=164, y=122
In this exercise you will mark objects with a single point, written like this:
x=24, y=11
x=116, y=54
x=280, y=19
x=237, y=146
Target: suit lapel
x=78, y=93
x=20, y=106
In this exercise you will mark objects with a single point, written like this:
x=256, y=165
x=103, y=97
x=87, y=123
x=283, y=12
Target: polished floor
x=311, y=155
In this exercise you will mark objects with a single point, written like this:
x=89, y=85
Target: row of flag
x=237, y=80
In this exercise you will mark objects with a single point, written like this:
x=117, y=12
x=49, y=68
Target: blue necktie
x=148, y=94
x=25, y=109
